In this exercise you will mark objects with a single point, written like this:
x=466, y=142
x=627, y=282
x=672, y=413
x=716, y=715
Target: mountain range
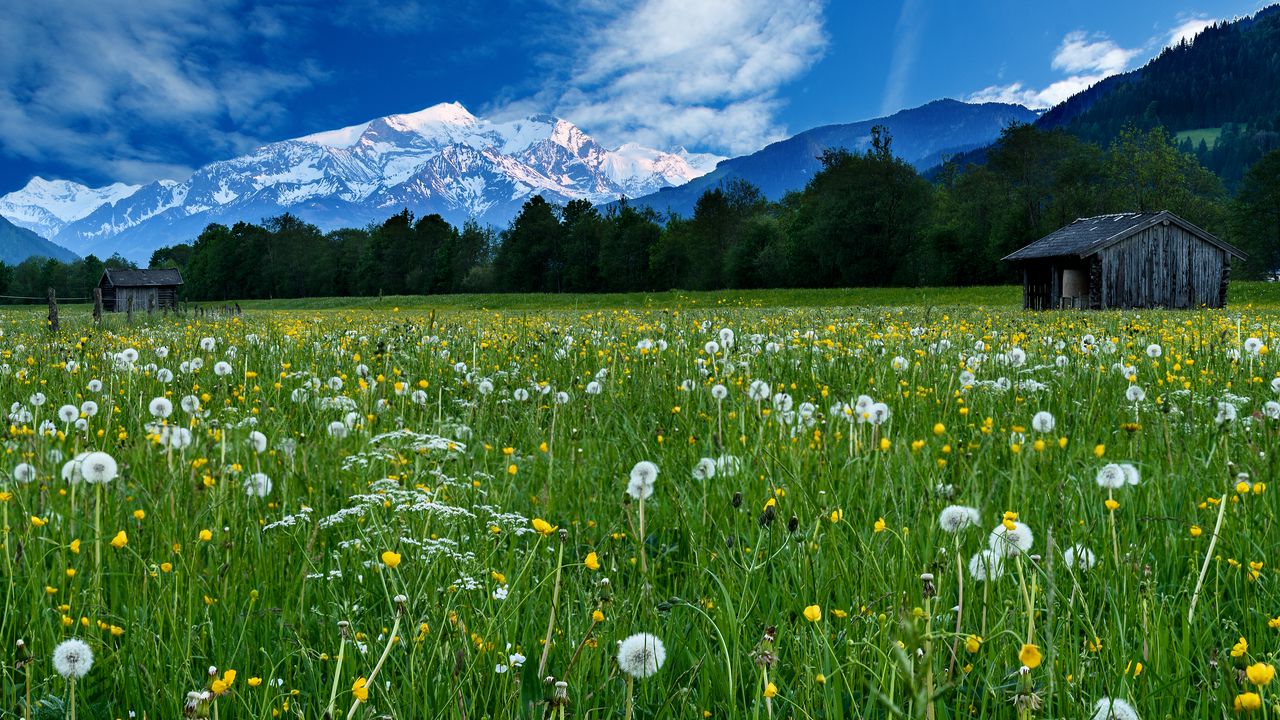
x=445, y=160
x=923, y=136
x=439, y=160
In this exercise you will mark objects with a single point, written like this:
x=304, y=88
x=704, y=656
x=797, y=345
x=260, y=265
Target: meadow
x=786, y=504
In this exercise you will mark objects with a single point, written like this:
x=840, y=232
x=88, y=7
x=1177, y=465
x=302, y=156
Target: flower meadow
x=693, y=512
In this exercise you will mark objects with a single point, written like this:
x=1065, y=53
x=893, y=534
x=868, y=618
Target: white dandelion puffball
x=72, y=658
x=1252, y=345
x=1226, y=413
x=728, y=465
x=222, y=368
x=878, y=413
x=160, y=407
x=338, y=429
x=1131, y=474
x=1017, y=357
x=727, y=337
x=1111, y=476
x=1275, y=384
x=68, y=413
x=177, y=438
x=95, y=386
x=594, y=388
x=1011, y=542
x=190, y=404
x=955, y=518
x=986, y=565
x=641, y=655
x=1079, y=557
x=24, y=472
x=1271, y=409
x=484, y=387
x=1135, y=394
x=720, y=392
x=38, y=399
x=1114, y=709
x=99, y=467
x=520, y=394
x=257, y=485
x=1043, y=422
x=89, y=408
x=71, y=469
x=643, y=475
x=900, y=363
x=705, y=469
x=208, y=344
x=711, y=348
x=758, y=390
x=257, y=441
x=1154, y=351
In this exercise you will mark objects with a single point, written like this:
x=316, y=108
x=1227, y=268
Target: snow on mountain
x=46, y=206
x=439, y=160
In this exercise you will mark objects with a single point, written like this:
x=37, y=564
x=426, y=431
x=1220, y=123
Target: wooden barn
x=150, y=290
x=1127, y=260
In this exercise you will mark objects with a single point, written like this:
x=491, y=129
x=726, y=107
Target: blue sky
x=119, y=90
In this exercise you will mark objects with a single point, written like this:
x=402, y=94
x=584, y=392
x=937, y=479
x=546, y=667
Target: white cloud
x=1080, y=53
x=907, y=34
x=704, y=74
x=1085, y=59
x=111, y=86
x=1188, y=29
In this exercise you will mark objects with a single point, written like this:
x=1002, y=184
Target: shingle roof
x=143, y=278
x=1076, y=238
x=1086, y=236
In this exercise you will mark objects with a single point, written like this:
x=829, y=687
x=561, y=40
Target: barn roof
x=1086, y=236
x=155, y=277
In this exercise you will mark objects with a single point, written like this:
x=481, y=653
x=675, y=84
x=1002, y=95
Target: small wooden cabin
x=154, y=289
x=1127, y=260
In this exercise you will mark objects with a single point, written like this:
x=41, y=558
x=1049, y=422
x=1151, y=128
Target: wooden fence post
x=53, y=310
x=97, y=306
x=129, y=312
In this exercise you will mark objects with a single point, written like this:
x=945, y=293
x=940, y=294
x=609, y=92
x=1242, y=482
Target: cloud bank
x=110, y=85
x=671, y=72
x=1085, y=59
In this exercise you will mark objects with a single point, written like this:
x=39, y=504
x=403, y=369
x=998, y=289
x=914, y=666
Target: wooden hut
x=155, y=289
x=1127, y=260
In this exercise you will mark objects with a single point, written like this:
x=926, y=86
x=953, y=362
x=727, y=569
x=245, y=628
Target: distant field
x=1243, y=294
x=1009, y=296
x=1209, y=135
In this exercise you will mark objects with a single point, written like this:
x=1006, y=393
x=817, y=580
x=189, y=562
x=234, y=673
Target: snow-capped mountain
x=47, y=206
x=439, y=160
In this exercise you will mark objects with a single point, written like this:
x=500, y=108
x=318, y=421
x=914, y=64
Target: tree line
x=866, y=218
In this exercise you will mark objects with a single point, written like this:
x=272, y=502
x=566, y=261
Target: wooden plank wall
x=1162, y=266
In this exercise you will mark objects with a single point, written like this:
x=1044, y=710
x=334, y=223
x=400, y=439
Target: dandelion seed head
x=641, y=655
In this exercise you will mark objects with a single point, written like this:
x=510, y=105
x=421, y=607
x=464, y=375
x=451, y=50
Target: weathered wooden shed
x=155, y=289
x=1126, y=260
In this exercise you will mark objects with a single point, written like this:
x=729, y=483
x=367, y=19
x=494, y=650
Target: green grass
x=921, y=297
x=811, y=513
x=1208, y=135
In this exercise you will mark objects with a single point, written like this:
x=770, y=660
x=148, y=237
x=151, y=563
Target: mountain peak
x=450, y=113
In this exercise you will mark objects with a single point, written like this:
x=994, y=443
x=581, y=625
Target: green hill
x=1218, y=94
x=18, y=244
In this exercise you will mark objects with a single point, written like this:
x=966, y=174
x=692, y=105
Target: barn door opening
x=1075, y=287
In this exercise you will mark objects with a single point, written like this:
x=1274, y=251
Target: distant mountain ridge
x=922, y=136
x=18, y=244
x=439, y=160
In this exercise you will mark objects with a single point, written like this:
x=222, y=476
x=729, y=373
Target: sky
x=102, y=91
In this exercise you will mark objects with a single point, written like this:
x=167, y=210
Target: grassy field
x=999, y=296
x=823, y=504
